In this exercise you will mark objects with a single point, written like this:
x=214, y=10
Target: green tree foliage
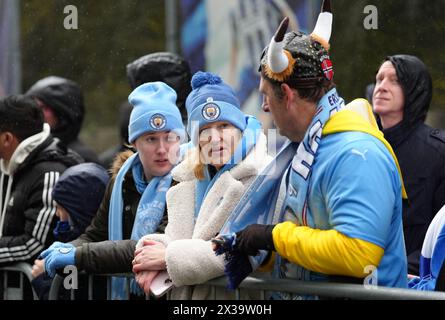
x=113, y=33
x=412, y=27
x=110, y=34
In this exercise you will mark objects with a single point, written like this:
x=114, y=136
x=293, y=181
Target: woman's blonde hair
x=198, y=168
x=195, y=163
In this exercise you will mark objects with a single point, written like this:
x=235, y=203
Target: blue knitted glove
x=59, y=257
x=54, y=246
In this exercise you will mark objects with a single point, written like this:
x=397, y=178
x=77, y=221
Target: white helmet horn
x=323, y=28
x=277, y=60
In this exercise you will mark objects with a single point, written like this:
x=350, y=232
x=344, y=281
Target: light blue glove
x=59, y=257
x=55, y=245
x=427, y=283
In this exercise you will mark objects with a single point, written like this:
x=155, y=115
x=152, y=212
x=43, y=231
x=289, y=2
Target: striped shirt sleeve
x=39, y=212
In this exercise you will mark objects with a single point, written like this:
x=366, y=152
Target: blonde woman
x=230, y=150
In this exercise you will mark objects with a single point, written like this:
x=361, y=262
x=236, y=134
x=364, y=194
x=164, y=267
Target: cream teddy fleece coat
x=189, y=256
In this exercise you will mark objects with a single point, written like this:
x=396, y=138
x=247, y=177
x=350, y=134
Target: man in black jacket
x=31, y=161
x=401, y=99
x=63, y=107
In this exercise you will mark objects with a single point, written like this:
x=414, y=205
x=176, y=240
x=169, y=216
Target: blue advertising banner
x=228, y=37
x=10, y=70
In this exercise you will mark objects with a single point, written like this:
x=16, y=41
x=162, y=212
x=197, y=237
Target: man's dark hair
x=21, y=116
x=316, y=93
x=311, y=94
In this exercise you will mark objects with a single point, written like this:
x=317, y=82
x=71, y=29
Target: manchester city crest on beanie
x=154, y=110
x=212, y=100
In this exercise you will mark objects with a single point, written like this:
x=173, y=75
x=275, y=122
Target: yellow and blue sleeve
x=325, y=251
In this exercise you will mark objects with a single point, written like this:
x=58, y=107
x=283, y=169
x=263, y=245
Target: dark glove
x=254, y=238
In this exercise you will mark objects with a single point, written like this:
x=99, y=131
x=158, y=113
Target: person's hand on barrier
x=254, y=238
x=58, y=258
x=38, y=268
x=150, y=257
x=144, y=279
x=53, y=247
x=141, y=241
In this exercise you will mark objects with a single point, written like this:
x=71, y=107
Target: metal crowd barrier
x=264, y=285
x=326, y=289
x=57, y=284
x=13, y=293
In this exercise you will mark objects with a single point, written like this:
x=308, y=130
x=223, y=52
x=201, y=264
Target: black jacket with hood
x=166, y=67
x=65, y=98
x=86, y=181
x=26, y=208
x=158, y=66
x=420, y=151
x=94, y=252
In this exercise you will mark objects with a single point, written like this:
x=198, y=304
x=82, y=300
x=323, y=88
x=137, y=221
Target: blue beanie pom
x=200, y=79
x=212, y=100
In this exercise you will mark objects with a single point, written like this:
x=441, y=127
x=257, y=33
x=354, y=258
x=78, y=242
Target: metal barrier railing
x=57, y=283
x=25, y=270
x=327, y=289
x=265, y=285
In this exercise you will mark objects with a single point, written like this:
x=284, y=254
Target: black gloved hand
x=254, y=238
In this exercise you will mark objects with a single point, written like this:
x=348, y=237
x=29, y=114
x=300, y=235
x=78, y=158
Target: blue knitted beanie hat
x=211, y=100
x=154, y=110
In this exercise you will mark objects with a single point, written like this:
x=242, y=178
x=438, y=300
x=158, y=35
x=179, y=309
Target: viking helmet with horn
x=298, y=59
